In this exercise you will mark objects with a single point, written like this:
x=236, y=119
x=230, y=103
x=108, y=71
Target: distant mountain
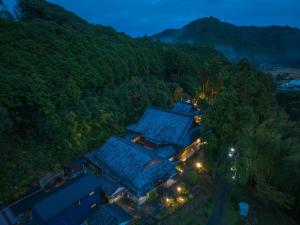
x=263, y=45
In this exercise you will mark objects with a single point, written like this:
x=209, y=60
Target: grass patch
x=264, y=212
x=232, y=215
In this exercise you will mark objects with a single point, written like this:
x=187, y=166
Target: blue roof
x=164, y=126
x=166, y=152
x=186, y=108
x=75, y=163
x=131, y=165
x=294, y=83
x=66, y=196
x=110, y=214
x=108, y=186
x=130, y=136
x=3, y=220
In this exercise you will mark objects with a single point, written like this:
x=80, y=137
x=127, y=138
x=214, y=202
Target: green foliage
x=66, y=85
x=245, y=115
x=152, y=196
x=191, y=178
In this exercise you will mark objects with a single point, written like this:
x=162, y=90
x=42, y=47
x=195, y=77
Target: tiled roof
x=130, y=165
x=164, y=126
x=108, y=186
x=166, y=152
x=186, y=108
x=66, y=196
x=110, y=214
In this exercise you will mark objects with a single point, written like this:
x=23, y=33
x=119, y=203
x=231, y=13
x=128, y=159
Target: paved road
x=223, y=196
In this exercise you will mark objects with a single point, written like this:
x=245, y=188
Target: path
x=222, y=200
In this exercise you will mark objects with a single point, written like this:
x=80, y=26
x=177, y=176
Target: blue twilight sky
x=139, y=17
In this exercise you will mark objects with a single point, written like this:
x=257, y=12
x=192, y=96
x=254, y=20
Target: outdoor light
x=168, y=200
x=233, y=177
x=199, y=165
x=179, y=189
x=232, y=150
x=180, y=199
x=232, y=169
x=230, y=154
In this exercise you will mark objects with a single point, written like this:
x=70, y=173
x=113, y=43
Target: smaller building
x=71, y=204
x=110, y=214
x=293, y=85
x=75, y=168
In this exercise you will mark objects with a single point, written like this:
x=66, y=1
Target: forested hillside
x=66, y=85
x=247, y=116
x=263, y=45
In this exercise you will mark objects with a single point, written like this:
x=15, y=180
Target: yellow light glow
x=199, y=165
x=180, y=199
x=179, y=189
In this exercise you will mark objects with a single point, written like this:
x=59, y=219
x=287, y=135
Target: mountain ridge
x=274, y=44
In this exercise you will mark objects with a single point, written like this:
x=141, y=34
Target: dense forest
x=66, y=85
x=263, y=45
x=264, y=128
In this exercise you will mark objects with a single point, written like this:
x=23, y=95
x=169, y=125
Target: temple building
x=172, y=134
x=129, y=170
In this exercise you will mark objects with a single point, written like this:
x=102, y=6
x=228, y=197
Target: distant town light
x=233, y=177
x=230, y=154
x=232, y=150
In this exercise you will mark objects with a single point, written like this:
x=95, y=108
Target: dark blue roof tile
x=131, y=165
x=66, y=196
x=110, y=214
x=164, y=126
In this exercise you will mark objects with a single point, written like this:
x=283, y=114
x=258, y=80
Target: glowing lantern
x=180, y=199
x=179, y=189
x=199, y=165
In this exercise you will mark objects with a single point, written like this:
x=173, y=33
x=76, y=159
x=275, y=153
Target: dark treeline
x=66, y=85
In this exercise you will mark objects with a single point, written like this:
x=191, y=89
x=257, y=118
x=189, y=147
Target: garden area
x=189, y=200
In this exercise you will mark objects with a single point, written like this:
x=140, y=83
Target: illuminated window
x=197, y=119
x=91, y=193
x=93, y=206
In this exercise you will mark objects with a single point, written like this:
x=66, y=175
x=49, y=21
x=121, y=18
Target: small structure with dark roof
x=186, y=108
x=70, y=204
x=75, y=168
x=132, y=167
x=110, y=214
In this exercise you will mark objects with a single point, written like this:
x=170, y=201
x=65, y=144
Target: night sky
x=139, y=17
